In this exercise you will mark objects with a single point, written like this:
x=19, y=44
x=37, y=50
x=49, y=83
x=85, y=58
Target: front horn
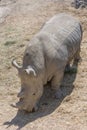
x=14, y=63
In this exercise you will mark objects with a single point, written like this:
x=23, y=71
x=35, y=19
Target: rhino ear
x=14, y=63
x=30, y=71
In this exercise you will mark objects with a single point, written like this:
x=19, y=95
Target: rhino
x=46, y=56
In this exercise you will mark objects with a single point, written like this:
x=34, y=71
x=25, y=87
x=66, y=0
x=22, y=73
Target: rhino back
x=62, y=25
x=63, y=31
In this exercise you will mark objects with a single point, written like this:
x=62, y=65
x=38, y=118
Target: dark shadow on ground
x=47, y=104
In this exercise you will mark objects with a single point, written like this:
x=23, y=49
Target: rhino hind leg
x=55, y=85
x=67, y=68
x=77, y=57
x=73, y=67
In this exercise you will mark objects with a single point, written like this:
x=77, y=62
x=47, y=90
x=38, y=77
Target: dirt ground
x=19, y=21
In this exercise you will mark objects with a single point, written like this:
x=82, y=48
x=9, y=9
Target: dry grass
x=69, y=113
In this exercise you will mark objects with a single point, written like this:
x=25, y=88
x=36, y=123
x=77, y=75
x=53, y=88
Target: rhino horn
x=13, y=105
x=21, y=95
x=14, y=63
x=30, y=71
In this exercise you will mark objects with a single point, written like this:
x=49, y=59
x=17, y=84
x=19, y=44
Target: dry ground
x=19, y=22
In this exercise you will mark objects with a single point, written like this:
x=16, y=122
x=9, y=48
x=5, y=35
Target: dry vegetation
x=25, y=19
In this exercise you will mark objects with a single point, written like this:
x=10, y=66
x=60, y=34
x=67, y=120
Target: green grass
x=71, y=71
x=9, y=43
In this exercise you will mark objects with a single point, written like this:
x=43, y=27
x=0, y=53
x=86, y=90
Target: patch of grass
x=9, y=43
x=71, y=71
x=22, y=45
x=27, y=39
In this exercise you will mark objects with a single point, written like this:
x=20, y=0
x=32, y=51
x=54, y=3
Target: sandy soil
x=24, y=19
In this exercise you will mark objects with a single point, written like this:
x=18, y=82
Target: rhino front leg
x=56, y=82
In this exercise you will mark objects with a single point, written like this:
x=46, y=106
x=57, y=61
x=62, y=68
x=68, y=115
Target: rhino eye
x=34, y=93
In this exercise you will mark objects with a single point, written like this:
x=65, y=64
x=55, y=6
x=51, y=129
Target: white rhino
x=45, y=59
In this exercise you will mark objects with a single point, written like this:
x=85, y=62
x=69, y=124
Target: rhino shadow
x=48, y=104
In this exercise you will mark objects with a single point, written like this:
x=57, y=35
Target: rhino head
x=31, y=88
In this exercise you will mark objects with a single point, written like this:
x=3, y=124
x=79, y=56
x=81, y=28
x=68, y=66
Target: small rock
x=4, y=12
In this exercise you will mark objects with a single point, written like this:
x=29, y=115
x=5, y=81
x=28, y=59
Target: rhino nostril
x=21, y=99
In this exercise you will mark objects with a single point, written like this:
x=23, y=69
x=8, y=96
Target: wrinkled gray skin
x=45, y=59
